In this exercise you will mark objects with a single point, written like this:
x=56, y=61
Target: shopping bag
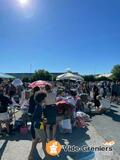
x=66, y=124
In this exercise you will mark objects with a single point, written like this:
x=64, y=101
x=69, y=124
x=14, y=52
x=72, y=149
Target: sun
x=24, y=2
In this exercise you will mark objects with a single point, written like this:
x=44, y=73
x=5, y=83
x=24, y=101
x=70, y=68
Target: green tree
x=116, y=72
x=26, y=79
x=54, y=77
x=89, y=78
x=41, y=75
x=102, y=79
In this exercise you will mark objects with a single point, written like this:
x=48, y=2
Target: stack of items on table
x=22, y=125
x=66, y=108
x=81, y=119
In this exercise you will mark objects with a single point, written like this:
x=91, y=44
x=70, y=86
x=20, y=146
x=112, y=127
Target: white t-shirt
x=50, y=99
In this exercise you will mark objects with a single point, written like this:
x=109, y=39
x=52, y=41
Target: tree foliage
x=41, y=75
x=26, y=79
x=89, y=78
x=102, y=79
x=116, y=72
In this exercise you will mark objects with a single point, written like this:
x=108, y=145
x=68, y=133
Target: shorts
x=51, y=114
x=40, y=134
x=4, y=116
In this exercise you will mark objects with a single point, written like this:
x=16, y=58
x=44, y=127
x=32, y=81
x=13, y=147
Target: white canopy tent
x=107, y=75
x=6, y=76
x=70, y=76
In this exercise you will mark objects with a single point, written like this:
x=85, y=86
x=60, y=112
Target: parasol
x=39, y=83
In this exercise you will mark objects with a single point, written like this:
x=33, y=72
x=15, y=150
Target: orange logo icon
x=53, y=148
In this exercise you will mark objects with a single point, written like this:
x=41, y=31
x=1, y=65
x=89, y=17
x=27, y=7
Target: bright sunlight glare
x=24, y=2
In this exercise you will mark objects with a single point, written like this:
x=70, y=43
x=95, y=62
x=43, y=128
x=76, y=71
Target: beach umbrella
x=6, y=76
x=70, y=76
x=39, y=83
x=17, y=82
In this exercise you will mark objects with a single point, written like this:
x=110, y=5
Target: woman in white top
x=50, y=112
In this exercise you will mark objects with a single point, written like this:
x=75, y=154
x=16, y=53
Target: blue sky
x=83, y=35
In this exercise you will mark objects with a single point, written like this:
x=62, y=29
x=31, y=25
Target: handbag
x=65, y=126
x=24, y=130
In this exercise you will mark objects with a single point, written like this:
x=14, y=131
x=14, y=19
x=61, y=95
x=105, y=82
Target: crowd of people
x=40, y=106
x=105, y=89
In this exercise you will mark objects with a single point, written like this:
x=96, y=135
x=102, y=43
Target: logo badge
x=53, y=148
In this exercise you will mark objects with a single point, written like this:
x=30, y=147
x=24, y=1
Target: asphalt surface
x=102, y=128
x=108, y=126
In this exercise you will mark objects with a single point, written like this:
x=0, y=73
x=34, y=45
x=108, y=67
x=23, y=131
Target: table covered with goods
x=68, y=116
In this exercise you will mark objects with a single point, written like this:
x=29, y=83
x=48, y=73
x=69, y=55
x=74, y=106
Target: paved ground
x=102, y=128
x=108, y=126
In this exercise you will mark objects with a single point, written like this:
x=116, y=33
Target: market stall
x=70, y=76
